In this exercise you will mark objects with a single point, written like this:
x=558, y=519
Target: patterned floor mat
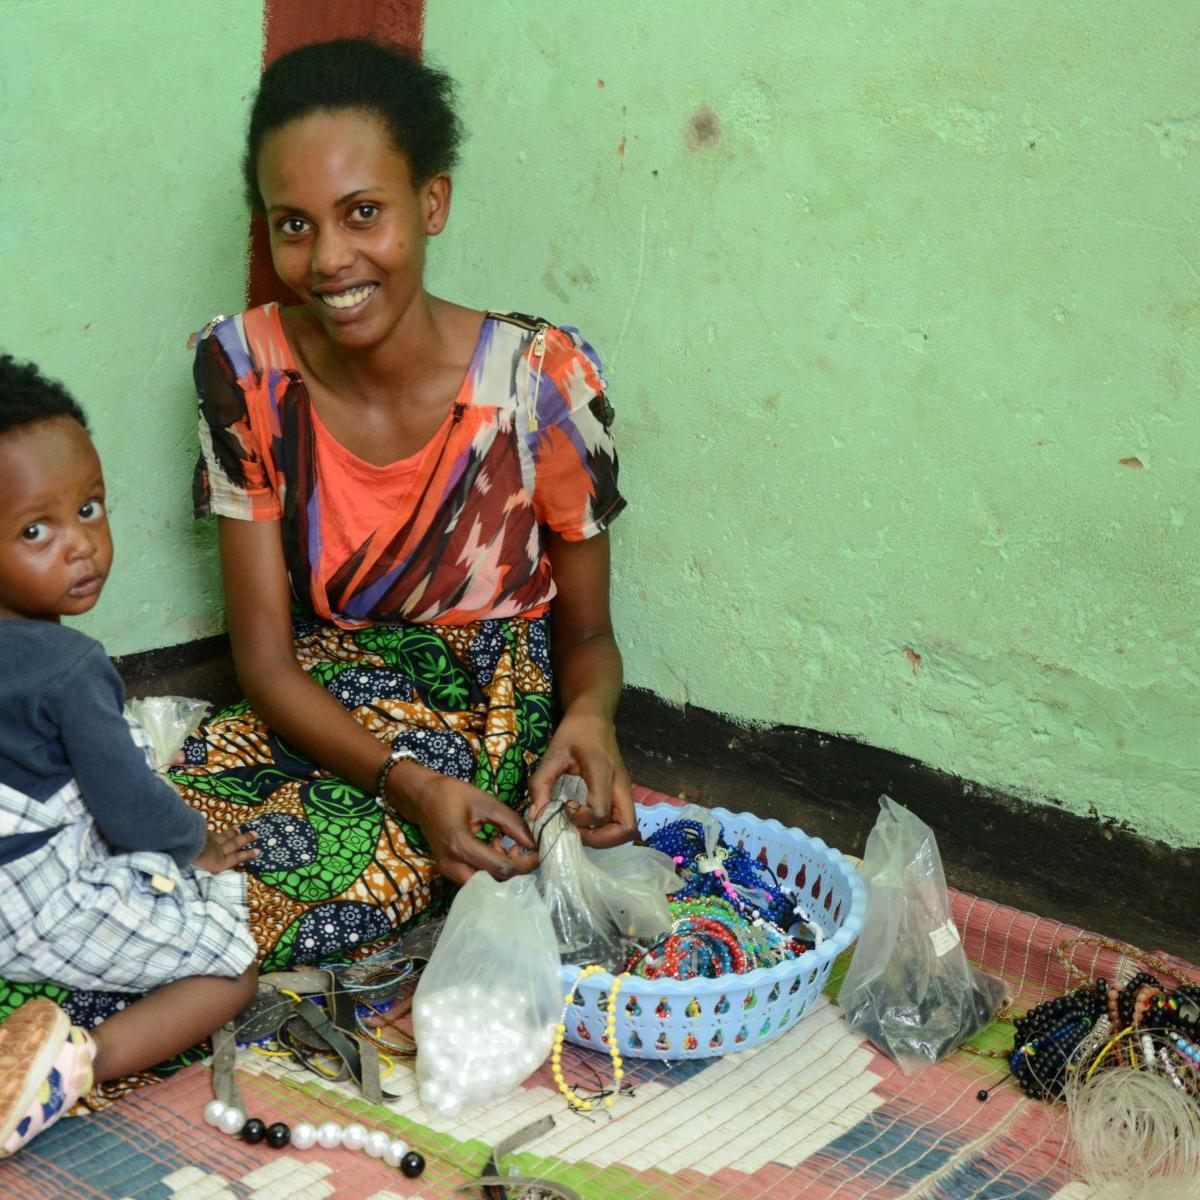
x=816, y=1114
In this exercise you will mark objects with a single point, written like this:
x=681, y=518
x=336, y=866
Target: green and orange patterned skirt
x=335, y=873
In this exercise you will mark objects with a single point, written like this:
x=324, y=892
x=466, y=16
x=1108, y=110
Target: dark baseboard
x=1038, y=857
x=203, y=669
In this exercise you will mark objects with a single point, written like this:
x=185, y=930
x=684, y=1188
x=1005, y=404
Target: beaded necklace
x=727, y=873
x=576, y=1101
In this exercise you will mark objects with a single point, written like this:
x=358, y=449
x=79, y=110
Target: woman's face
x=348, y=224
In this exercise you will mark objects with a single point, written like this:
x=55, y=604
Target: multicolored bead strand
x=1147, y=1027
x=730, y=873
x=711, y=937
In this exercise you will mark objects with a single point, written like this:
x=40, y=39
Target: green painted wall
x=121, y=230
x=900, y=303
x=895, y=299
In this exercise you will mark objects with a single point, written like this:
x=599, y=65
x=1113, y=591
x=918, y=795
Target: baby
x=108, y=880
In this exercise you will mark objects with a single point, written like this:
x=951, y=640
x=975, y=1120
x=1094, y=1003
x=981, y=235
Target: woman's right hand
x=450, y=813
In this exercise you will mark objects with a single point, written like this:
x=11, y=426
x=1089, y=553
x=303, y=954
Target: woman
x=412, y=497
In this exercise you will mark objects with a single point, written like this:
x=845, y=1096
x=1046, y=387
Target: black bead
x=981, y=1095
x=412, y=1164
x=253, y=1131
x=278, y=1136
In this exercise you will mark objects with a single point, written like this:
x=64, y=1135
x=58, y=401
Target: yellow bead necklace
x=610, y=1029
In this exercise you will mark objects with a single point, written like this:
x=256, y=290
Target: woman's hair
x=26, y=396
x=414, y=101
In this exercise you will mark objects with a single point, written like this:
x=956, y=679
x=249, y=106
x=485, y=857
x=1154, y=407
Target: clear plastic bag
x=485, y=1009
x=599, y=899
x=910, y=988
x=167, y=720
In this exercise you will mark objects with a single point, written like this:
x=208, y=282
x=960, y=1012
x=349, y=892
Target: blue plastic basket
x=671, y=1019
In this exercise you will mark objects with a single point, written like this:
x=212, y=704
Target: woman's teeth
x=349, y=298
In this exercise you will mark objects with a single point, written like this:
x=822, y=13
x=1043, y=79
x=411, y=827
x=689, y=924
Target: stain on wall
x=900, y=313
x=704, y=129
x=121, y=231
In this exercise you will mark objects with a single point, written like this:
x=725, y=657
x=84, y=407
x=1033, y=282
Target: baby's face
x=55, y=546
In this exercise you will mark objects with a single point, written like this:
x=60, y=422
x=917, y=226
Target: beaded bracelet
x=1136, y=993
x=763, y=943
x=715, y=936
x=377, y=1144
x=398, y=754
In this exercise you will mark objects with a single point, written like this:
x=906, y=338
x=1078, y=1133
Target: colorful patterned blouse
x=454, y=533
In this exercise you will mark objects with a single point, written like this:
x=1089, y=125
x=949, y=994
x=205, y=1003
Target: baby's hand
x=226, y=849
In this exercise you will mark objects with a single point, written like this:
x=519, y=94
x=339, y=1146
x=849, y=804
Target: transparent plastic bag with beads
x=600, y=901
x=910, y=988
x=167, y=721
x=485, y=1009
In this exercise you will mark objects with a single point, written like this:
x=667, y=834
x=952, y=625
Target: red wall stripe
x=288, y=24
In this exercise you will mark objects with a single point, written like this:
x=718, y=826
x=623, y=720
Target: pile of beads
x=727, y=873
x=330, y=1135
x=1048, y=1035
x=1150, y=1028
x=696, y=946
x=710, y=938
x=475, y=1048
x=610, y=1036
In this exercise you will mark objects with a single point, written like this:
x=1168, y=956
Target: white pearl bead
x=431, y=1092
x=377, y=1143
x=329, y=1135
x=395, y=1152
x=353, y=1137
x=450, y=1107
x=231, y=1121
x=304, y=1136
x=212, y=1111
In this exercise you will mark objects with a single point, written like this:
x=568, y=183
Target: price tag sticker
x=944, y=938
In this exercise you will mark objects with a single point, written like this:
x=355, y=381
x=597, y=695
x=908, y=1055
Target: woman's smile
x=348, y=303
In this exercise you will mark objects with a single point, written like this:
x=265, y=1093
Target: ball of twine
x=1136, y=1135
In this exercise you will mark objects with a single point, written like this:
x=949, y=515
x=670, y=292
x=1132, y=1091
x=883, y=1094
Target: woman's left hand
x=585, y=744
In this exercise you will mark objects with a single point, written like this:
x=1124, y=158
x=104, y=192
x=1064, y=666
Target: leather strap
x=224, y=1084
x=334, y=1026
